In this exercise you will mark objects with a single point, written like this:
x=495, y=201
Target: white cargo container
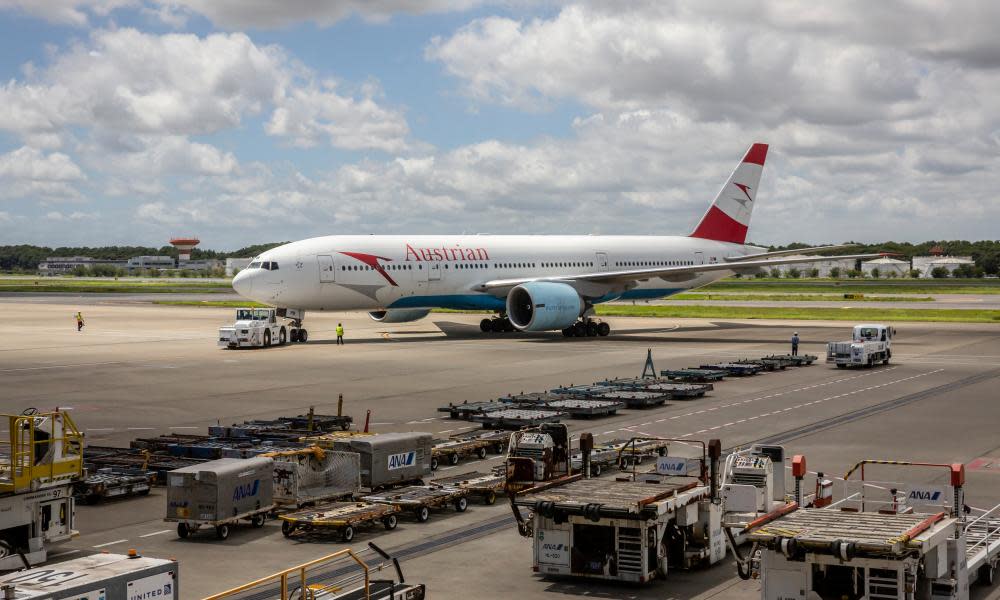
x=220, y=493
x=96, y=577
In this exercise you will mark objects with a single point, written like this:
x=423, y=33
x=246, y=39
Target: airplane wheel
x=568, y=332
x=303, y=335
x=507, y=325
x=497, y=325
x=485, y=325
x=603, y=329
x=580, y=329
x=591, y=329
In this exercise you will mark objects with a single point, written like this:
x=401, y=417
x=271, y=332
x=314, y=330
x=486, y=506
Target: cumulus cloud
x=68, y=12
x=29, y=172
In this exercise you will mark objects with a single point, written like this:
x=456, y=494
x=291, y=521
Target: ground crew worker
x=79, y=321
x=795, y=344
x=340, y=334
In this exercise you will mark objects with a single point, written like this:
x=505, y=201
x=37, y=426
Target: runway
x=141, y=370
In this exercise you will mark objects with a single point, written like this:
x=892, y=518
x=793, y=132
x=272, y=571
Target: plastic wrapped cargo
x=311, y=475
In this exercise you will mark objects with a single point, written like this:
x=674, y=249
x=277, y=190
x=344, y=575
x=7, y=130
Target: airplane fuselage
x=377, y=272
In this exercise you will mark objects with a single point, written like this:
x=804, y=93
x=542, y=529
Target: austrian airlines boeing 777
x=532, y=282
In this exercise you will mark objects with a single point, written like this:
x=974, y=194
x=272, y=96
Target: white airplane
x=532, y=282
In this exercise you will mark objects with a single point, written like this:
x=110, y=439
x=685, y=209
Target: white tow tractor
x=871, y=344
x=261, y=328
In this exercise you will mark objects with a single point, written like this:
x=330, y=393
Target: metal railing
x=32, y=456
x=295, y=584
x=989, y=524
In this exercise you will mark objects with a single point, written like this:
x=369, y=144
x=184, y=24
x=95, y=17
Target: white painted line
x=384, y=423
x=446, y=431
x=115, y=362
x=184, y=427
x=110, y=543
x=161, y=532
x=100, y=429
x=141, y=428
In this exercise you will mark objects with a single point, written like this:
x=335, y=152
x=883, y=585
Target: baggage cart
x=762, y=365
x=467, y=410
x=420, y=499
x=696, y=375
x=484, y=485
x=219, y=494
x=99, y=576
x=342, y=518
x=498, y=439
x=586, y=408
x=389, y=459
x=636, y=398
x=517, y=418
x=798, y=360
x=673, y=390
x=111, y=482
x=735, y=369
x=452, y=450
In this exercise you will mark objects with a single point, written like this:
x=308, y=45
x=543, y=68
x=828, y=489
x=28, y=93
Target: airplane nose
x=243, y=283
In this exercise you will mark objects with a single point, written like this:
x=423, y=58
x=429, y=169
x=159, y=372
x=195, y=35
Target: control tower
x=184, y=246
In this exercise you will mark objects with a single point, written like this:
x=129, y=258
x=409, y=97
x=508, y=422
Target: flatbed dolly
x=763, y=365
x=516, y=418
x=342, y=517
x=420, y=499
x=466, y=411
x=453, y=450
x=582, y=390
x=498, y=438
x=695, y=375
x=636, y=398
x=798, y=360
x=111, y=482
x=484, y=485
x=735, y=369
x=674, y=390
x=586, y=408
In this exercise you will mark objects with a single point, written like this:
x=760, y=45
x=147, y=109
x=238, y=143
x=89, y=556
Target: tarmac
x=138, y=370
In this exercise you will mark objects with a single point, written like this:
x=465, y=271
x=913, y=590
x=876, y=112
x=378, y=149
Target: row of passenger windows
x=654, y=263
x=269, y=265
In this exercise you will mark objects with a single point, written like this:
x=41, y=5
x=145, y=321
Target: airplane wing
x=777, y=253
x=627, y=279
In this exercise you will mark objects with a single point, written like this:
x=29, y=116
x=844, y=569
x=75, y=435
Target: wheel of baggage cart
x=222, y=532
x=461, y=504
x=282, y=337
x=638, y=459
x=603, y=329
x=423, y=513
x=287, y=528
x=389, y=522
x=347, y=533
x=258, y=520
x=267, y=338
x=481, y=453
x=987, y=574
x=183, y=530
x=453, y=458
x=595, y=470
x=345, y=425
x=661, y=451
x=303, y=335
x=485, y=325
x=434, y=463
x=490, y=497
x=498, y=448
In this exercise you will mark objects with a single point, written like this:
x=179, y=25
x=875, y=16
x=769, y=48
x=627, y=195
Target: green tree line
x=25, y=258
x=985, y=253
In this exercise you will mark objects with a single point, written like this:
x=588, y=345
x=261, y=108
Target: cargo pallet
x=637, y=398
x=467, y=411
x=763, y=365
x=735, y=369
x=516, y=418
x=420, y=499
x=585, y=408
x=111, y=482
x=497, y=438
x=696, y=375
x=453, y=450
x=484, y=485
x=799, y=360
x=342, y=517
x=672, y=389
x=97, y=457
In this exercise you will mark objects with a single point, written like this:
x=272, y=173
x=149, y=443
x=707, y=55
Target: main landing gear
x=496, y=325
x=587, y=328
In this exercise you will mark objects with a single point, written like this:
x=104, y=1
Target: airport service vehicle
x=632, y=529
x=532, y=282
x=537, y=454
x=870, y=344
x=343, y=518
x=389, y=459
x=96, y=577
x=219, y=494
x=893, y=540
x=260, y=328
x=41, y=458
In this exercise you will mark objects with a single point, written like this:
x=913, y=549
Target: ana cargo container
x=391, y=458
x=96, y=577
x=219, y=494
x=312, y=474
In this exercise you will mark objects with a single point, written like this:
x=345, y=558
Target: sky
x=251, y=121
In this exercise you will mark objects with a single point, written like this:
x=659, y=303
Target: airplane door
x=327, y=273
x=434, y=272
x=602, y=261
x=699, y=258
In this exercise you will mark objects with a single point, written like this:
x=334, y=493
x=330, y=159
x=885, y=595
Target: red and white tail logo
x=728, y=219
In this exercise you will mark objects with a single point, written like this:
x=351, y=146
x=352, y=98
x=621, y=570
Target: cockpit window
x=274, y=266
x=253, y=265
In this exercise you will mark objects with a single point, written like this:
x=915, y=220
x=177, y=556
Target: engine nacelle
x=399, y=315
x=544, y=306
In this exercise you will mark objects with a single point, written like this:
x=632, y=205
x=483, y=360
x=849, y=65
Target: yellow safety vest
x=340, y=330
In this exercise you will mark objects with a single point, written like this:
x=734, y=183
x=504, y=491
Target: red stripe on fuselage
x=372, y=261
x=717, y=225
x=756, y=154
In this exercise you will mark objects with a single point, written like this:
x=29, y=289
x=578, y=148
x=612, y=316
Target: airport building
x=64, y=265
x=927, y=264
x=151, y=262
x=886, y=267
x=824, y=266
x=235, y=265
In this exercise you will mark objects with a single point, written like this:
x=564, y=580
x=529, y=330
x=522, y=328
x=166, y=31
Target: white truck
x=871, y=343
x=261, y=328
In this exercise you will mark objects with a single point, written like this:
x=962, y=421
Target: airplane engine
x=399, y=315
x=544, y=306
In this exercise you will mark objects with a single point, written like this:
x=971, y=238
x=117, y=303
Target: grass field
x=851, y=286
x=111, y=286
x=809, y=314
x=765, y=297
x=213, y=303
